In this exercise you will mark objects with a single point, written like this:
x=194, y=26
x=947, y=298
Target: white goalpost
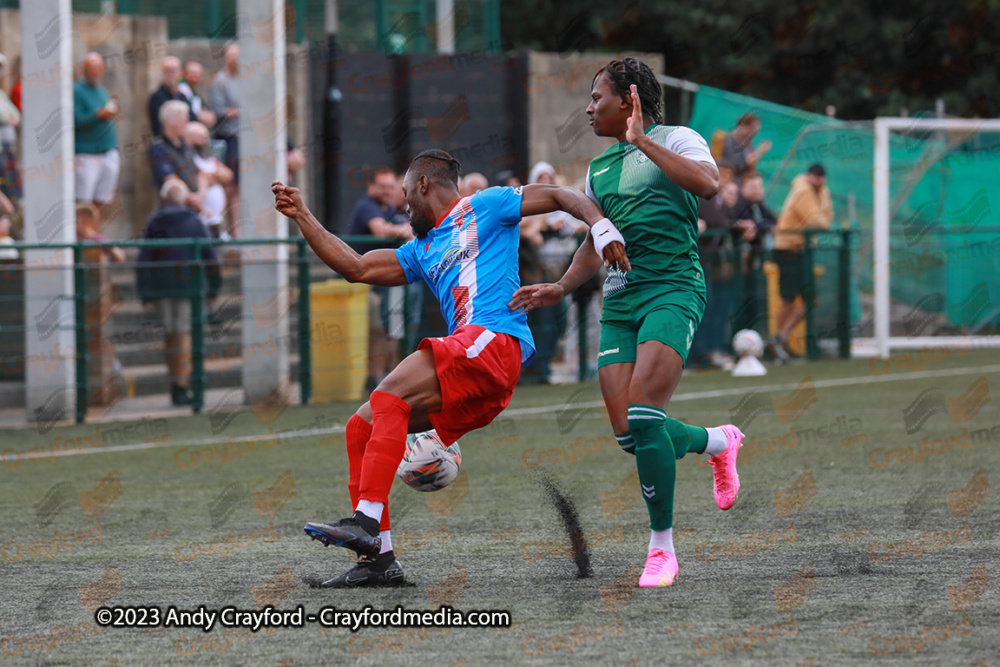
x=882, y=342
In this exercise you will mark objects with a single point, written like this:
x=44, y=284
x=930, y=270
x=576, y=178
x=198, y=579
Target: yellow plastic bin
x=339, y=340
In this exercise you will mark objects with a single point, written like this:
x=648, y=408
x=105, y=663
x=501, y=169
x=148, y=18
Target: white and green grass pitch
x=851, y=562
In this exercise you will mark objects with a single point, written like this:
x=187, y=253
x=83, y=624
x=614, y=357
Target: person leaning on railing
x=164, y=278
x=718, y=230
x=807, y=206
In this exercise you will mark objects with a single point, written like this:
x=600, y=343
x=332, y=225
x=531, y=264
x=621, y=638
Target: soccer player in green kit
x=648, y=184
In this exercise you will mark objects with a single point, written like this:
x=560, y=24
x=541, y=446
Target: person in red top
x=15, y=91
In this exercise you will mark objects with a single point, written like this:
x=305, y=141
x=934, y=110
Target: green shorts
x=670, y=318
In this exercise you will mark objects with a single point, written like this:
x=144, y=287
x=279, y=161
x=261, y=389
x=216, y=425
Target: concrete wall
x=133, y=47
x=558, y=90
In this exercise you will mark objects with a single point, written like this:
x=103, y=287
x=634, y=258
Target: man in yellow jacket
x=807, y=206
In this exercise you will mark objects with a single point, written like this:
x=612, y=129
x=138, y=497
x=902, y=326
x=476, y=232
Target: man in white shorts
x=96, y=139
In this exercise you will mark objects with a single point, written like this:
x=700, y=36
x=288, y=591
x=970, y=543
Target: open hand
x=287, y=200
x=635, y=130
x=530, y=297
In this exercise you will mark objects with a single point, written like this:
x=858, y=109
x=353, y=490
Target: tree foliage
x=865, y=58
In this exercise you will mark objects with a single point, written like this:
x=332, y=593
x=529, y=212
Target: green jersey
x=657, y=217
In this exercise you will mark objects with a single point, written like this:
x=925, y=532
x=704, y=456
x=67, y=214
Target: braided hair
x=628, y=71
x=438, y=166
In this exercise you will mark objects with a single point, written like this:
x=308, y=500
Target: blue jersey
x=469, y=259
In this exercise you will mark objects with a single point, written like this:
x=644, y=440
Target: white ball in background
x=748, y=343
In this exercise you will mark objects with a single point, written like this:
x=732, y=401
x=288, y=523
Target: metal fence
x=830, y=320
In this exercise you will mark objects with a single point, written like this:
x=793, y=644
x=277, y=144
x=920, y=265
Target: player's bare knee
x=365, y=412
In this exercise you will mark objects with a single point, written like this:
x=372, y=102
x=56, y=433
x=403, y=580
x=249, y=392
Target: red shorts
x=477, y=370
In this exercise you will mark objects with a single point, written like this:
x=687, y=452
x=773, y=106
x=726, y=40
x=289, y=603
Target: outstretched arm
x=698, y=178
x=584, y=266
x=539, y=198
x=378, y=267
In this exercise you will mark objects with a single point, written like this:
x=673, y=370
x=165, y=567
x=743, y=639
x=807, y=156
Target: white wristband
x=605, y=232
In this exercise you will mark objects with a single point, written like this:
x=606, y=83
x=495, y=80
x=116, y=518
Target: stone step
x=152, y=379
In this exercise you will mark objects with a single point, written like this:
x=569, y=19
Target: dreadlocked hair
x=628, y=71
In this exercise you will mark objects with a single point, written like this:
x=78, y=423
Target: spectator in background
x=212, y=176
x=397, y=200
x=540, y=238
x=189, y=87
x=15, y=90
x=95, y=138
x=167, y=92
x=88, y=229
x=164, y=280
x=224, y=100
x=807, y=206
x=6, y=209
x=472, y=183
x=374, y=215
x=296, y=160
x=753, y=213
x=738, y=152
x=757, y=223
x=507, y=179
x=10, y=119
x=170, y=157
x=558, y=223
x=6, y=239
x=718, y=229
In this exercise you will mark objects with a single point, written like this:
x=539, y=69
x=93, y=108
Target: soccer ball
x=747, y=343
x=428, y=465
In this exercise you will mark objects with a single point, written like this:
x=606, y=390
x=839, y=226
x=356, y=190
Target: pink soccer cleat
x=727, y=480
x=661, y=569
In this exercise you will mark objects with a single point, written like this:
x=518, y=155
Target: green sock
x=626, y=442
x=656, y=461
x=686, y=439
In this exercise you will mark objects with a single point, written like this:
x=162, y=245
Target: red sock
x=391, y=419
x=357, y=434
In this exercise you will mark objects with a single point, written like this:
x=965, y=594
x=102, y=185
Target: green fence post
x=214, y=17
x=305, y=343
x=381, y=25
x=80, y=299
x=809, y=297
x=197, y=329
x=844, y=295
x=493, y=27
x=299, y=7
x=740, y=276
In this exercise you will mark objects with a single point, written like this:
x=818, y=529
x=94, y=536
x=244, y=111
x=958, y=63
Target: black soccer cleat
x=381, y=571
x=358, y=533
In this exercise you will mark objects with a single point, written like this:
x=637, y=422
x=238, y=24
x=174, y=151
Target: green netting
x=943, y=234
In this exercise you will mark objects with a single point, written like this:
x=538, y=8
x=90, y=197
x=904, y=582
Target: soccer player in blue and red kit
x=466, y=250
